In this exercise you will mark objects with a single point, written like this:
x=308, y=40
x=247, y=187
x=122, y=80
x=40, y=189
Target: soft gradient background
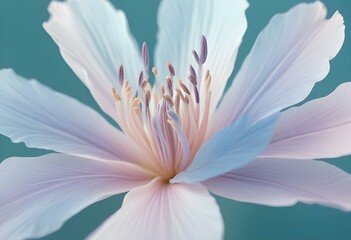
x=25, y=47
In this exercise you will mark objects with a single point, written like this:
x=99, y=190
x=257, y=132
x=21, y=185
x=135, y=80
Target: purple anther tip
x=141, y=78
x=203, y=54
x=171, y=70
x=197, y=97
x=121, y=75
x=192, y=72
x=145, y=54
x=196, y=56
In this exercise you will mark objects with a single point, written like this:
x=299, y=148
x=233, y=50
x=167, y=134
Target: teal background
x=25, y=47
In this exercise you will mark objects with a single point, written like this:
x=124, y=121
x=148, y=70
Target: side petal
x=94, y=39
x=229, y=149
x=160, y=211
x=289, y=56
x=181, y=25
x=318, y=129
x=284, y=182
x=37, y=195
x=42, y=118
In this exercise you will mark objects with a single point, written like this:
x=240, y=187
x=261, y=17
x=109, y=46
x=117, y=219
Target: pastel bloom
x=179, y=139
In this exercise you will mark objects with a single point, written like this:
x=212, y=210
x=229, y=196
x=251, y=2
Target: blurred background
x=25, y=47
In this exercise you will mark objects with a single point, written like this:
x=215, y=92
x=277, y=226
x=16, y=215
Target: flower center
x=168, y=121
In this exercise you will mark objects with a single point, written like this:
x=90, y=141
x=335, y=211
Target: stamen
x=170, y=86
x=168, y=99
x=203, y=54
x=196, y=56
x=196, y=93
x=141, y=78
x=115, y=95
x=192, y=77
x=121, y=75
x=185, y=88
x=145, y=54
x=171, y=70
x=145, y=82
x=147, y=98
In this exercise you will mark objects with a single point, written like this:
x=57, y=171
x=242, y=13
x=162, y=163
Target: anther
x=154, y=71
x=145, y=81
x=168, y=99
x=115, y=95
x=185, y=88
x=147, y=98
x=121, y=75
x=196, y=93
x=171, y=70
x=141, y=78
x=170, y=85
x=196, y=56
x=145, y=54
x=192, y=77
x=203, y=54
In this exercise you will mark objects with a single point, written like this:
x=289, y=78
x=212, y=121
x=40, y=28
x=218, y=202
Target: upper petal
x=181, y=25
x=159, y=211
x=37, y=195
x=42, y=118
x=289, y=56
x=318, y=129
x=94, y=39
x=229, y=149
x=284, y=182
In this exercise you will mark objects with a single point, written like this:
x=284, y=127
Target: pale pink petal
x=160, y=211
x=284, y=182
x=37, y=195
x=318, y=129
x=181, y=25
x=42, y=118
x=94, y=39
x=289, y=56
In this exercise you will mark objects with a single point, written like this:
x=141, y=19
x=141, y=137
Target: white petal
x=37, y=195
x=181, y=25
x=229, y=149
x=284, y=182
x=42, y=118
x=318, y=129
x=94, y=39
x=290, y=55
x=159, y=211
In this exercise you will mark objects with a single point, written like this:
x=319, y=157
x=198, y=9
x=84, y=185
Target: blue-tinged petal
x=289, y=56
x=42, y=118
x=37, y=195
x=181, y=25
x=284, y=182
x=229, y=149
x=94, y=39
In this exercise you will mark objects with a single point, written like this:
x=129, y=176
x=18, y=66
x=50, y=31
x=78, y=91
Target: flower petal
x=229, y=149
x=284, y=182
x=181, y=25
x=160, y=211
x=318, y=129
x=42, y=118
x=94, y=39
x=290, y=55
x=37, y=195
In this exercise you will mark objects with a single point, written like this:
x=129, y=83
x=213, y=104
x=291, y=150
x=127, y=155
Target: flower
x=180, y=139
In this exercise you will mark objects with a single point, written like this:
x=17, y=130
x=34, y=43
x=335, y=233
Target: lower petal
x=37, y=195
x=161, y=211
x=284, y=182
